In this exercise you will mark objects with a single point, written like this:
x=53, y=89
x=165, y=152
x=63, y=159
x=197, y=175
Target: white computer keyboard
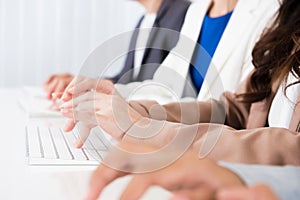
x=32, y=100
x=53, y=146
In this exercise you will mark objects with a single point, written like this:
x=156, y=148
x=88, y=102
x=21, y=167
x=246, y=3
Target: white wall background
x=41, y=37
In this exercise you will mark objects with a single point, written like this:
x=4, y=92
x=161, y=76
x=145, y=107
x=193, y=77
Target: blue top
x=210, y=36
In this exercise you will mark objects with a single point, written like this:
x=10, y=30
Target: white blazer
x=230, y=64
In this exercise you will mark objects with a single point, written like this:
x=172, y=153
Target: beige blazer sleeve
x=229, y=110
x=182, y=112
x=270, y=146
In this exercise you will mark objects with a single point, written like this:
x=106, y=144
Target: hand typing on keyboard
x=94, y=108
x=188, y=177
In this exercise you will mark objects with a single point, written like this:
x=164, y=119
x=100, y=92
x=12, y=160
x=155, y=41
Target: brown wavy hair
x=277, y=53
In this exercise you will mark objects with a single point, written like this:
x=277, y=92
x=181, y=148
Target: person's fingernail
x=78, y=144
x=56, y=94
x=66, y=129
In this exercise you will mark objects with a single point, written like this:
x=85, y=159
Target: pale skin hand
x=80, y=84
x=110, y=112
x=258, y=192
x=187, y=178
x=56, y=84
x=97, y=108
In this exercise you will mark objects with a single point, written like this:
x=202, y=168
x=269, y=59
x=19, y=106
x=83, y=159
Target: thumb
x=83, y=132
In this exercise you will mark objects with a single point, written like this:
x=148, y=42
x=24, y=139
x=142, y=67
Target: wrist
x=228, y=178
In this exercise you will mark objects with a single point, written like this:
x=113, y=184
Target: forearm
x=228, y=110
x=268, y=146
x=182, y=112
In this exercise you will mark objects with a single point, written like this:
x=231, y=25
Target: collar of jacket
x=165, y=5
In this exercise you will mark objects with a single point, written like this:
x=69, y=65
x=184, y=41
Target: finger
x=105, y=86
x=49, y=79
x=60, y=87
x=179, y=197
x=67, y=75
x=84, y=112
x=141, y=182
x=67, y=95
x=69, y=125
x=100, y=179
x=47, y=84
x=236, y=193
x=89, y=96
x=51, y=88
x=82, y=86
x=194, y=194
x=137, y=187
x=83, y=133
x=263, y=192
x=69, y=113
x=56, y=95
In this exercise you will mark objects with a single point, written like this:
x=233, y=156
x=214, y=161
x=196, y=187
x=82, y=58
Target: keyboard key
x=33, y=142
x=77, y=153
x=97, y=141
x=52, y=144
x=46, y=141
x=105, y=138
x=91, y=151
x=61, y=146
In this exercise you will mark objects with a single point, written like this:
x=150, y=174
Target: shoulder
x=258, y=6
x=172, y=14
x=177, y=4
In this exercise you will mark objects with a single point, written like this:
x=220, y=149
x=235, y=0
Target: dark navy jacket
x=171, y=16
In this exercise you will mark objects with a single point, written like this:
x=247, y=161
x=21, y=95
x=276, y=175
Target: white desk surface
x=20, y=181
